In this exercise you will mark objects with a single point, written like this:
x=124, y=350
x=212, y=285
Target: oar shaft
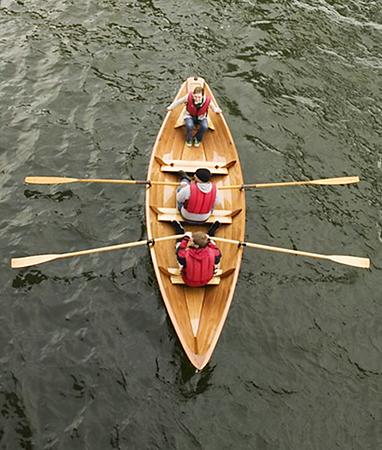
x=286, y=250
x=64, y=180
x=264, y=185
x=323, y=182
x=118, y=246
x=103, y=249
x=354, y=261
x=278, y=184
x=27, y=261
x=270, y=248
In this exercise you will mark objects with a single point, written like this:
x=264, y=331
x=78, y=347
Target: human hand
x=168, y=108
x=218, y=110
x=188, y=234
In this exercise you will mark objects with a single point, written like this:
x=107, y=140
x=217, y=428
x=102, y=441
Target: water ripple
x=88, y=351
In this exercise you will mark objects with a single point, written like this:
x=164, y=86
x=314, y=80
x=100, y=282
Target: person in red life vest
x=196, y=199
x=198, y=257
x=197, y=105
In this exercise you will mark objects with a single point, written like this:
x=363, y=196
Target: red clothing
x=200, y=202
x=193, y=110
x=198, y=263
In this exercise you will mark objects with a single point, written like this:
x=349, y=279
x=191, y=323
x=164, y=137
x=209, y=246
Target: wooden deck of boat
x=197, y=314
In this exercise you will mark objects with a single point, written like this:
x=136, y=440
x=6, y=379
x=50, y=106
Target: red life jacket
x=200, y=202
x=193, y=110
x=200, y=264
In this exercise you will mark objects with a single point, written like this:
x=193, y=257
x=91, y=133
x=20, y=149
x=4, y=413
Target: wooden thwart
x=174, y=165
x=176, y=277
x=224, y=216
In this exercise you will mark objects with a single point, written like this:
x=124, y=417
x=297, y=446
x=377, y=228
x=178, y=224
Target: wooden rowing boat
x=197, y=314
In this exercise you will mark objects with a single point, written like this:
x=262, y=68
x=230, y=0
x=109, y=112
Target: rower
x=196, y=199
x=198, y=257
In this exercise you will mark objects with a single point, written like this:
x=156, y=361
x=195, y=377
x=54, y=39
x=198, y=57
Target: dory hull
x=197, y=314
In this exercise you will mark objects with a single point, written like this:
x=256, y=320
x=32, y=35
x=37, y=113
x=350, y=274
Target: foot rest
x=180, y=120
x=176, y=277
x=220, y=168
x=222, y=215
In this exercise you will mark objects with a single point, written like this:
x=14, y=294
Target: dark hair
x=203, y=174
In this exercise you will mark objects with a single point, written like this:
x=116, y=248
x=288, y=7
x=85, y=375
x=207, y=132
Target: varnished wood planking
x=195, y=310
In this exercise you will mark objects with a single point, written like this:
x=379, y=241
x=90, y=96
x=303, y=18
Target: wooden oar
x=324, y=181
x=17, y=263
x=354, y=261
x=62, y=180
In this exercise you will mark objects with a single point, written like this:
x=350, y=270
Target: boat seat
x=180, y=120
x=224, y=216
x=176, y=277
x=174, y=165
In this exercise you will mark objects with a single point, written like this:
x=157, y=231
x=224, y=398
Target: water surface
x=89, y=357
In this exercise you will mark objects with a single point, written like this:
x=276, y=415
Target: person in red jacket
x=196, y=199
x=198, y=257
x=197, y=105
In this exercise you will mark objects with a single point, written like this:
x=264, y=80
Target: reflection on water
x=26, y=279
x=193, y=383
x=56, y=197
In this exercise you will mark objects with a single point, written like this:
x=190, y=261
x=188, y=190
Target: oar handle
x=231, y=186
x=111, y=181
x=164, y=183
x=144, y=182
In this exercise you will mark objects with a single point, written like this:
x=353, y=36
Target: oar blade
x=49, y=180
x=355, y=261
x=27, y=261
x=334, y=181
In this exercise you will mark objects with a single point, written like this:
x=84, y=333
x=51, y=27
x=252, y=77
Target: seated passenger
x=197, y=105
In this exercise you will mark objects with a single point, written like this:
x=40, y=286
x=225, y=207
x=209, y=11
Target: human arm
x=215, y=108
x=217, y=252
x=183, y=194
x=176, y=103
x=218, y=198
x=181, y=250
